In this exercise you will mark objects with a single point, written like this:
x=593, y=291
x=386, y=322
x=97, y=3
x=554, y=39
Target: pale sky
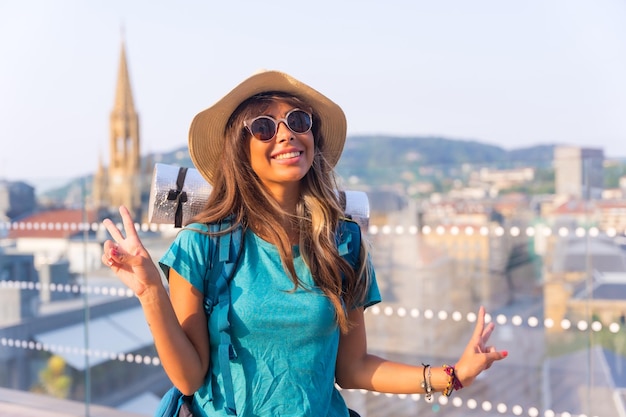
x=513, y=73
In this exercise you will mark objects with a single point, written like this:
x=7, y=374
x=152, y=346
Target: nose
x=283, y=133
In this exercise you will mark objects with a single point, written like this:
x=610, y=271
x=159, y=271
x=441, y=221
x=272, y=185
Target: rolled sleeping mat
x=177, y=194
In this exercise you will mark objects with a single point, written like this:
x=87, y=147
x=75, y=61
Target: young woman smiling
x=268, y=148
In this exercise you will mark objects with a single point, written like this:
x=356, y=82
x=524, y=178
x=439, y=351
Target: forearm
x=378, y=374
x=177, y=353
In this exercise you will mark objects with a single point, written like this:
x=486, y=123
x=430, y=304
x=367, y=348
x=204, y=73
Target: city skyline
x=512, y=74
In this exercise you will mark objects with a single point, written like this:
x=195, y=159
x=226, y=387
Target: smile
x=288, y=155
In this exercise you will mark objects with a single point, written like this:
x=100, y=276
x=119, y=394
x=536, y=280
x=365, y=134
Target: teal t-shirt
x=286, y=341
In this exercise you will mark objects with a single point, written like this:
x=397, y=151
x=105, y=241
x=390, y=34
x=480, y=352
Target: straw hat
x=207, y=131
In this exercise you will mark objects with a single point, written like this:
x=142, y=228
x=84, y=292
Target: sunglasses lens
x=299, y=121
x=263, y=128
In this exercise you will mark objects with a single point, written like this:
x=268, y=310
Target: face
x=284, y=160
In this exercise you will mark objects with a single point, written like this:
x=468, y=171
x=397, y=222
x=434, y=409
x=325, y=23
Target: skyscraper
x=579, y=172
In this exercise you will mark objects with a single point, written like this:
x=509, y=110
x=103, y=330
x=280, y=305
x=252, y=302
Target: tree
x=53, y=379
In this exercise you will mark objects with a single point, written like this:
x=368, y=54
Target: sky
x=513, y=73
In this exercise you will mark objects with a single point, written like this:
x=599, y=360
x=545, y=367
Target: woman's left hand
x=478, y=356
x=128, y=258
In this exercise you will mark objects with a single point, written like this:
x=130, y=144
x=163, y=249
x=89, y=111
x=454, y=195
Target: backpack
x=223, y=262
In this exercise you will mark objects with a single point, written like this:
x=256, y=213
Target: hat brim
x=207, y=131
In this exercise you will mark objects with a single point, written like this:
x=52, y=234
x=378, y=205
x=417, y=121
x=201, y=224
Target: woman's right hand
x=127, y=257
x=478, y=356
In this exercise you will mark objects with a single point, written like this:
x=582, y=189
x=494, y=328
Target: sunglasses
x=264, y=128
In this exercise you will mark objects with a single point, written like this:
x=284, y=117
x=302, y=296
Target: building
x=504, y=178
x=15, y=303
x=123, y=181
x=455, y=211
x=59, y=236
x=612, y=214
x=578, y=172
x=584, y=275
x=16, y=199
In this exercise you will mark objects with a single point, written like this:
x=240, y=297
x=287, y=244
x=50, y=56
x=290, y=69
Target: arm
x=357, y=369
x=177, y=322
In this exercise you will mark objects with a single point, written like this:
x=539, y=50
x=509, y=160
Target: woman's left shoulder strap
x=349, y=241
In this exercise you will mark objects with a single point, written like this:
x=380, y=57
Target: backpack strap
x=226, y=249
x=348, y=240
x=229, y=248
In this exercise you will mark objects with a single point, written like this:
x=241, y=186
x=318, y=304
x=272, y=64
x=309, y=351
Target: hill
x=369, y=157
x=378, y=160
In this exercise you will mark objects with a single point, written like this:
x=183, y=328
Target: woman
x=268, y=148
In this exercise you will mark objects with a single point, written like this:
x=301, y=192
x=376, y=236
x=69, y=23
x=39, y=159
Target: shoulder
x=193, y=237
x=196, y=227
x=349, y=227
x=203, y=228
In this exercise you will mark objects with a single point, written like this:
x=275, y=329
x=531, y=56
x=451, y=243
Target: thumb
x=497, y=355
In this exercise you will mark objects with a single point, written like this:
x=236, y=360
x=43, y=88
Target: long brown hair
x=237, y=191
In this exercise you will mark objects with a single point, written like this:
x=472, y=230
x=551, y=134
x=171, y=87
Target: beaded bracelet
x=453, y=381
x=428, y=388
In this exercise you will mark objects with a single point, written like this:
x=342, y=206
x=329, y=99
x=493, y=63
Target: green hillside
x=377, y=160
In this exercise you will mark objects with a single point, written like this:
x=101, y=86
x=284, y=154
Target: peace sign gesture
x=478, y=356
x=127, y=257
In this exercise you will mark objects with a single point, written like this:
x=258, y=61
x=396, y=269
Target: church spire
x=124, y=173
x=123, y=93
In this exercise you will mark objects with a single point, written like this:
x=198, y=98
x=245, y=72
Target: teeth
x=287, y=155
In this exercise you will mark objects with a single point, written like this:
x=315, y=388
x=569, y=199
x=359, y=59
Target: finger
x=487, y=332
x=112, y=249
x=109, y=249
x=129, y=224
x=113, y=230
x=106, y=260
x=480, y=324
x=110, y=257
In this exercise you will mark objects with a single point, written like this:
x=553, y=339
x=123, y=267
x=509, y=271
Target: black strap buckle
x=179, y=196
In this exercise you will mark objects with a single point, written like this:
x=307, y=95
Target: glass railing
x=551, y=273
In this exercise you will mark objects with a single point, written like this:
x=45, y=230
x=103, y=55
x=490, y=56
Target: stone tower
x=120, y=183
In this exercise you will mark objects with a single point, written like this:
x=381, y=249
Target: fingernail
x=505, y=353
x=114, y=252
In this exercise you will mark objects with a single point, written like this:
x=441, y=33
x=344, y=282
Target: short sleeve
x=350, y=247
x=372, y=296
x=189, y=255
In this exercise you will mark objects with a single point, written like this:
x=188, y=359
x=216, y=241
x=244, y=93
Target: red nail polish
x=114, y=252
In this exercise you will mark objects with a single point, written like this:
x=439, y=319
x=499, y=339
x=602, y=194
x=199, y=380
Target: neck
x=287, y=197
x=288, y=222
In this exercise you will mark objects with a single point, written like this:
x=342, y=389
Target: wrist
x=453, y=382
x=151, y=294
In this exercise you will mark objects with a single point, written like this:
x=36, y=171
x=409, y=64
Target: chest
x=266, y=305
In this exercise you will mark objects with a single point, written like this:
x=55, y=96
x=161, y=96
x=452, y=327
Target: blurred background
x=488, y=139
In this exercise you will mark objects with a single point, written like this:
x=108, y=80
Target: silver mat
x=177, y=194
